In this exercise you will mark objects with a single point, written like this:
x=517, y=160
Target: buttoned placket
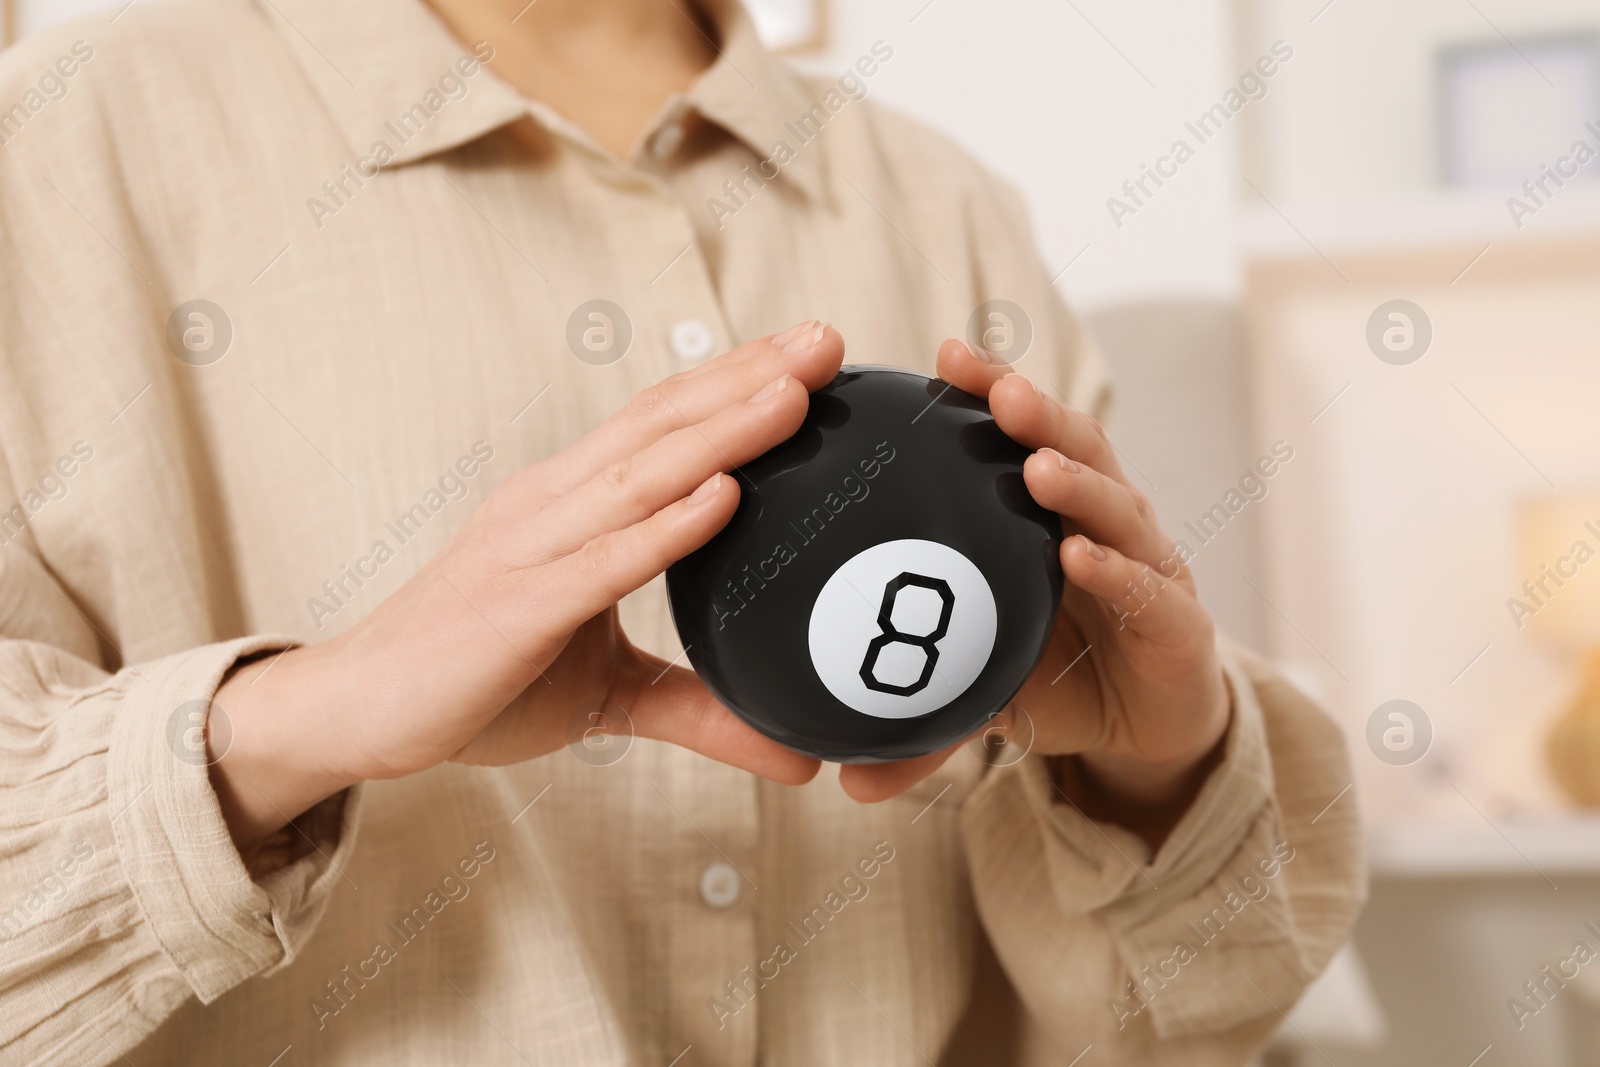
x=689, y=306
x=679, y=321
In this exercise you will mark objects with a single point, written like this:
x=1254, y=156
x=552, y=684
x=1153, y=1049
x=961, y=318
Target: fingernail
x=1095, y=550
x=707, y=490
x=1023, y=378
x=1062, y=461
x=806, y=341
x=792, y=332
x=982, y=355
x=770, y=390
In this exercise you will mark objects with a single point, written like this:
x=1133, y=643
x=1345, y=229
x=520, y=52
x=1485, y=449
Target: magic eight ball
x=887, y=583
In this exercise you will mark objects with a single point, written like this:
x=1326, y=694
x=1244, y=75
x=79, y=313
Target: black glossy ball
x=887, y=583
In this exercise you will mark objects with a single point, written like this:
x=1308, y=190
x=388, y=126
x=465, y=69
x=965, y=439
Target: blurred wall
x=1393, y=546
x=1393, y=550
x=1182, y=422
x=1356, y=122
x=1068, y=101
x=1392, y=560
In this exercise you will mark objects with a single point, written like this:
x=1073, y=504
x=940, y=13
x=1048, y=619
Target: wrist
x=1145, y=795
x=276, y=762
x=1141, y=782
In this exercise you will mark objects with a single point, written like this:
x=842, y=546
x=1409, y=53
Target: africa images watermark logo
x=453, y=84
x=1253, y=487
x=1537, y=192
x=51, y=87
x=199, y=332
x=199, y=733
x=851, y=86
x=599, y=332
x=1399, y=732
x=1541, y=990
x=1251, y=86
x=451, y=487
x=599, y=732
x=851, y=888
x=1553, y=576
x=1399, y=332
x=745, y=586
x=46, y=891
x=51, y=487
x=452, y=887
x=1250, y=888
x=1001, y=328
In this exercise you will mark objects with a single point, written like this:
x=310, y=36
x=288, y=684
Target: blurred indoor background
x=1385, y=253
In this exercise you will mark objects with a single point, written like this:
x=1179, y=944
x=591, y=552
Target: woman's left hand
x=1130, y=688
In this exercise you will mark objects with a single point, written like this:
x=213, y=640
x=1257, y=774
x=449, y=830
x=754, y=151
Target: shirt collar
x=757, y=98
x=392, y=73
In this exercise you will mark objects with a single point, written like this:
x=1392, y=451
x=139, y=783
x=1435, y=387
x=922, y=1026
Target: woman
x=322, y=324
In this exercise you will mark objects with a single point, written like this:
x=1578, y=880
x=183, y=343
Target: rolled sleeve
x=1239, y=909
x=110, y=806
x=212, y=918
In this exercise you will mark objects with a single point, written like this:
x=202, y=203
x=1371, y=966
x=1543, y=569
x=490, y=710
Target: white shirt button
x=719, y=885
x=691, y=339
x=666, y=140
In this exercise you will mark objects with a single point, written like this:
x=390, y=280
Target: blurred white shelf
x=1422, y=220
x=1543, y=848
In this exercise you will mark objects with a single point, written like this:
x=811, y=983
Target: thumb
x=670, y=703
x=870, y=783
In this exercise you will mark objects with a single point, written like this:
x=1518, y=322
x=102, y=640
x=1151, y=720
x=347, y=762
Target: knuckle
x=630, y=485
x=674, y=385
x=598, y=557
x=1141, y=504
x=649, y=405
x=618, y=475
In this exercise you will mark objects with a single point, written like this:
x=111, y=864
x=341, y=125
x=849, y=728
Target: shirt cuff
x=1210, y=886
x=214, y=921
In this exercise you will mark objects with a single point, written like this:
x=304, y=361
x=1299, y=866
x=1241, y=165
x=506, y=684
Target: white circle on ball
x=928, y=647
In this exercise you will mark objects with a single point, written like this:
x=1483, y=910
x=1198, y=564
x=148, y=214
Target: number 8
x=928, y=642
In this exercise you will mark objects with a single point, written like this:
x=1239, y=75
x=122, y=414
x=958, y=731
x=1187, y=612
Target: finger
x=1024, y=412
x=669, y=703
x=811, y=352
x=1037, y=421
x=636, y=487
x=972, y=370
x=1136, y=595
x=583, y=583
x=1108, y=511
x=870, y=783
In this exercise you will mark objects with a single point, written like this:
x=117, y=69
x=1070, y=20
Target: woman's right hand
x=487, y=652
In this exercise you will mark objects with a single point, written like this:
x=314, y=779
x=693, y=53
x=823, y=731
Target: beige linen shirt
x=396, y=256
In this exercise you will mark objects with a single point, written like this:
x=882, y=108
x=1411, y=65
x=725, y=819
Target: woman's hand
x=1130, y=686
x=487, y=653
